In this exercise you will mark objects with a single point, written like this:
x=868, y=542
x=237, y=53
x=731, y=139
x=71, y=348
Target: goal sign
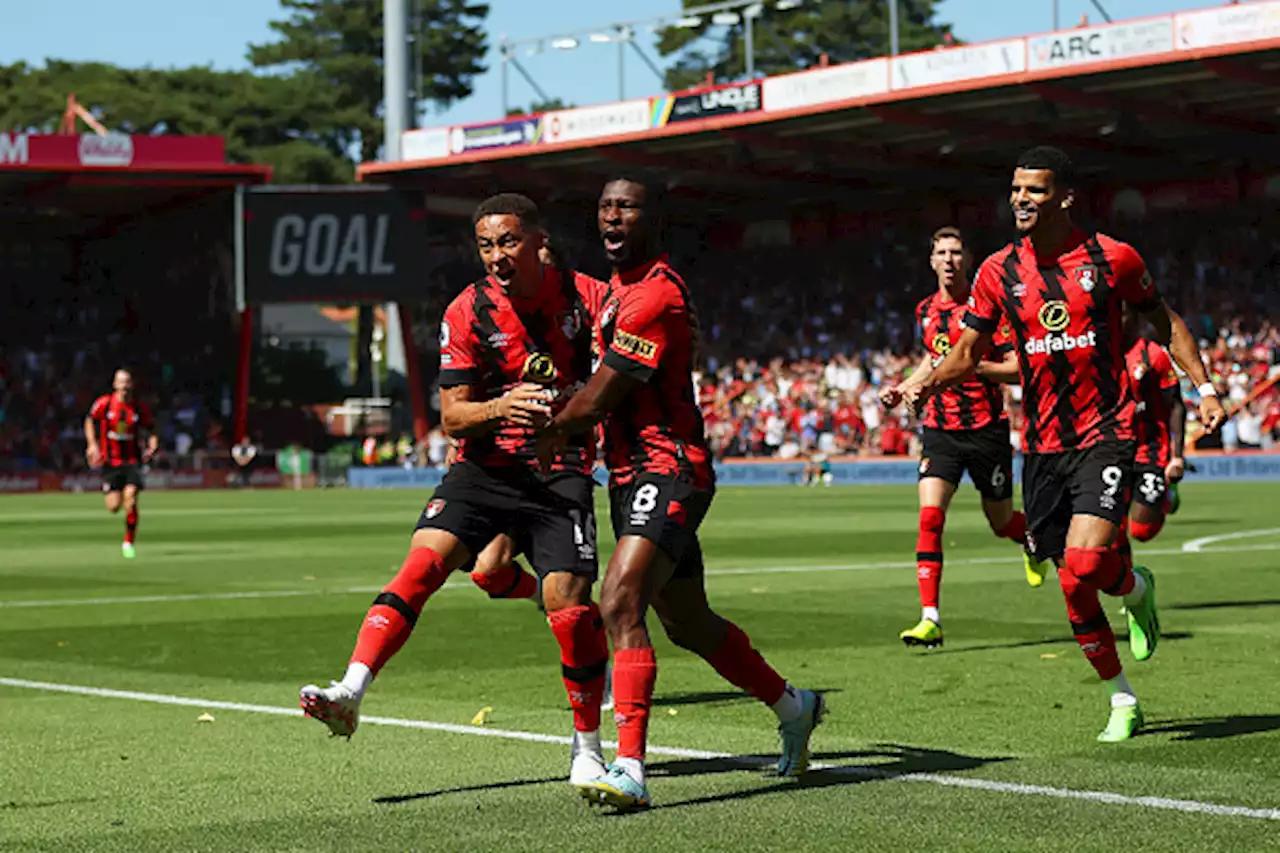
x=328, y=244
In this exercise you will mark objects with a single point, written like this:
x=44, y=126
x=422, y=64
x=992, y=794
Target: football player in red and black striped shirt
x=113, y=432
x=1062, y=291
x=964, y=428
x=1159, y=427
x=510, y=344
x=661, y=486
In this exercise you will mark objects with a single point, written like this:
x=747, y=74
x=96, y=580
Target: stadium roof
x=97, y=181
x=1193, y=94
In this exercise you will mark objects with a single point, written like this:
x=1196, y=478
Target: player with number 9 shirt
x=1062, y=291
x=661, y=486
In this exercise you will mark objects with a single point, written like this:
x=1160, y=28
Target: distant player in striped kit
x=965, y=428
x=113, y=437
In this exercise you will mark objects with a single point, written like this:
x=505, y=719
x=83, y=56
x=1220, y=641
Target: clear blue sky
x=165, y=33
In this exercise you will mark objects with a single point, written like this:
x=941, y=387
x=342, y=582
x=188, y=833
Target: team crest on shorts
x=434, y=508
x=924, y=466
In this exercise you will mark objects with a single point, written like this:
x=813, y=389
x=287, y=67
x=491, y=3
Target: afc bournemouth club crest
x=434, y=508
x=1087, y=278
x=607, y=315
x=924, y=466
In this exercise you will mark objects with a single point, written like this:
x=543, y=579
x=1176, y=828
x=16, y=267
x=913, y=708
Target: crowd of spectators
x=795, y=340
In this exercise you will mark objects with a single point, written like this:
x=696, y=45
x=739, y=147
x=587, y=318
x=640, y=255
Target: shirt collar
x=641, y=272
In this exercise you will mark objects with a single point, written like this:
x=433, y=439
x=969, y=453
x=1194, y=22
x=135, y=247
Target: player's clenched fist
x=1212, y=415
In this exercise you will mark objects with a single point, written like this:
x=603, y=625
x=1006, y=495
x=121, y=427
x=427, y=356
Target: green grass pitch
x=984, y=745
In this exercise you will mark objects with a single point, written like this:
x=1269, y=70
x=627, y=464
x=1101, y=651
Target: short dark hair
x=1054, y=160
x=943, y=233
x=509, y=204
x=655, y=188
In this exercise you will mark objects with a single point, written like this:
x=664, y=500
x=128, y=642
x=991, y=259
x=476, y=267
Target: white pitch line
x=944, y=780
x=751, y=570
x=1198, y=545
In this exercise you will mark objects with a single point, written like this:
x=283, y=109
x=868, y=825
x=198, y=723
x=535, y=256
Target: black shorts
x=667, y=510
x=1149, y=486
x=116, y=477
x=985, y=453
x=552, y=521
x=1056, y=486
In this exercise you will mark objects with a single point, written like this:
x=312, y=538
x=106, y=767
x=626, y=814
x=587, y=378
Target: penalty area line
x=940, y=779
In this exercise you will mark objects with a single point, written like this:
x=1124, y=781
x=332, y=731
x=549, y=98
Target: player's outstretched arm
x=1172, y=332
x=892, y=395
x=963, y=359
x=524, y=405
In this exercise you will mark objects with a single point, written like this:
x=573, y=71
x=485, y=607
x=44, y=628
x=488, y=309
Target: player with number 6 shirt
x=1062, y=291
x=661, y=486
x=964, y=428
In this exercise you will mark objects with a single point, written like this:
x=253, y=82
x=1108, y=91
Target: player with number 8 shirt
x=1062, y=291
x=661, y=486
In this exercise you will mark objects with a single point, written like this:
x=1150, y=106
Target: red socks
x=508, y=581
x=1146, y=531
x=634, y=673
x=743, y=667
x=1089, y=625
x=1015, y=530
x=131, y=525
x=1101, y=568
x=929, y=554
x=391, y=618
x=584, y=653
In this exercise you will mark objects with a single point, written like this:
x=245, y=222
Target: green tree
x=337, y=44
x=540, y=107
x=793, y=39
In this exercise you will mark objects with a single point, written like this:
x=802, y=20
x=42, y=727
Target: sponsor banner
x=953, y=64
x=1104, y=43
x=332, y=244
x=500, y=134
x=426, y=144
x=826, y=85
x=115, y=150
x=14, y=484
x=730, y=100
x=1236, y=466
x=594, y=122
x=1228, y=25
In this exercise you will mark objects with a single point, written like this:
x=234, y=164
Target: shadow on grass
x=882, y=762
x=1215, y=728
x=680, y=699
x=466, y=789
x=1219, y=605
x=1052, y=641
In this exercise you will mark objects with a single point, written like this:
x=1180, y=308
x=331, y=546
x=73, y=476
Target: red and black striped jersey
x=1064, y=315
x=492, y=342
x=1153, y=382
x=648, y=330
x=974, y=403
x=118, y=424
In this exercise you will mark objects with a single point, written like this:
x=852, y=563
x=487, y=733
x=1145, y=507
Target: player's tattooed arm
x=1172, y=332
x=966, y=353
x=523, y=405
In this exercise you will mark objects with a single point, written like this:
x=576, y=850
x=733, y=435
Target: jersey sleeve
x=592, y=291
x=1133, y=282
x=984, y=310
x=921, y=308
x=1162, y=367
x=458, y=365
x=640, y=335
x=98, y=410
